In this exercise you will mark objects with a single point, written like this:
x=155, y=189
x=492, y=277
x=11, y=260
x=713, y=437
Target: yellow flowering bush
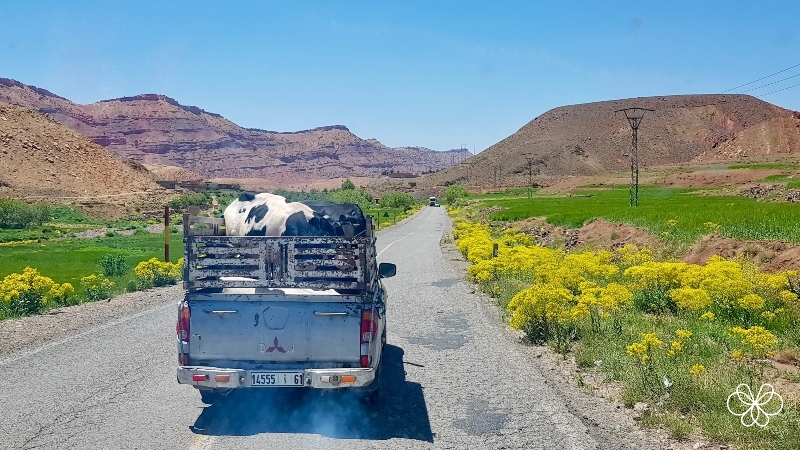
x=759, y=339
x=629, y=255
x=690, y=298
x=28, y=292
x=513, y=261
x=656, y=275
x=752, y=302
x=97, y=286
x=474, y=241
x=708, y=316
x=549, y=301
x=158, y=273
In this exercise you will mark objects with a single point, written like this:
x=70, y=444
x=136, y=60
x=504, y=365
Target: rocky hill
x=155, y=129
x=45, y=161
x=591, y=138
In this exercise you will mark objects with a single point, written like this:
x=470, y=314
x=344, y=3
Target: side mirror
x=387, y=270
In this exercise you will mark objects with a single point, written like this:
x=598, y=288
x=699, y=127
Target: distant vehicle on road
x=432, y=201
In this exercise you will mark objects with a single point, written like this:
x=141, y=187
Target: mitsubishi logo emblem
x=275, y=346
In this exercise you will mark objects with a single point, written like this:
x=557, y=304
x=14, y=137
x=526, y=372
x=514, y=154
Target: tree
x=397, y=200
x=357, y=196
x=454, y=192
x=348, y=185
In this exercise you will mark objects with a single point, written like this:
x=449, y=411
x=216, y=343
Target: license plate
x=276, y=378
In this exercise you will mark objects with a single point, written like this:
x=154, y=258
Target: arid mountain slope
x=43, y=160
x=591, y=139
x=155, y=129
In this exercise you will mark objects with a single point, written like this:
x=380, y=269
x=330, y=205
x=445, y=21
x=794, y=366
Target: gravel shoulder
x=22, y=335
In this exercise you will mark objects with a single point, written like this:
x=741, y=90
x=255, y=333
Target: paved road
x=453, y=379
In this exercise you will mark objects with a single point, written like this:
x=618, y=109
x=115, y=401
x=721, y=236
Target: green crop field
x=67, y=260
x=673, y=214
x=777, y=166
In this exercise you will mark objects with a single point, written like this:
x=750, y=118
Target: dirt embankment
x=603, y=235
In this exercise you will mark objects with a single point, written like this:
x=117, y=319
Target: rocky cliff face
x=156, y=129
x=592, y=138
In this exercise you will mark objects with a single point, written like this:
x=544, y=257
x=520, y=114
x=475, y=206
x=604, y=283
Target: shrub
x=113, y=266
x=27, y=293
x=454, y=192
x=155, y=273
x=184, y=201
x=97, y=286
x=18, y=214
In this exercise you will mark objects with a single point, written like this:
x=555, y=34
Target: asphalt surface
x=453, y=377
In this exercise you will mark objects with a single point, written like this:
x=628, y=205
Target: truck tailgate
x=274, y=331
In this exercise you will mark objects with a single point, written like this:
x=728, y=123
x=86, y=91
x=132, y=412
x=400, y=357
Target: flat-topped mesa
x=159, y=97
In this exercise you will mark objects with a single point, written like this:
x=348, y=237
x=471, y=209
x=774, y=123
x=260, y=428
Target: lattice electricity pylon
x=634, y=116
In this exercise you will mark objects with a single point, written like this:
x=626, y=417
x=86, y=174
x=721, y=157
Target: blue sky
x=430, y=73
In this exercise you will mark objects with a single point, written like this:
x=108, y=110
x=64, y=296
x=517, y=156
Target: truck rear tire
x=211, y=396
x=372, y=394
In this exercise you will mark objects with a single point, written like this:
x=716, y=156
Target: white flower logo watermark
x=755, y=410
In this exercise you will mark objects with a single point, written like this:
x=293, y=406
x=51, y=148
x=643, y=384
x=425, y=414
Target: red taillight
x=369, y=326
x=182, y=327
x=183, y=359
x=365, y=361
x=198, y=378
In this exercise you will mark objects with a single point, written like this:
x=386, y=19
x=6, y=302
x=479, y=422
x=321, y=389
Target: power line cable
x=764, y=78
x=769, y=84
x=780, y=90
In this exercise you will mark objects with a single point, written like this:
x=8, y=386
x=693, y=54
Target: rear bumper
x=221, y=378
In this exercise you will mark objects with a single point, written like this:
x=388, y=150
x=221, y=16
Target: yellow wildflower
x=642, y=349
x=708, y=316
x=683, y=334
x=697, y=369
x=675, y=348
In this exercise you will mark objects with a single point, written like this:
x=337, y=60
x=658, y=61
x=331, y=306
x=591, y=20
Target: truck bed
x=215, y=261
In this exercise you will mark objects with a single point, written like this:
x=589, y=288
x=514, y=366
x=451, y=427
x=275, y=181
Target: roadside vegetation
x=676, y=338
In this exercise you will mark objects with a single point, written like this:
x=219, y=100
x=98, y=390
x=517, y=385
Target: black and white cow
x=341, y=216
x=268, y=214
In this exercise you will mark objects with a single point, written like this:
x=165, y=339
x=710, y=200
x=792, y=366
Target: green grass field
x=777, y=166
x=693, y=213
x=67, y=260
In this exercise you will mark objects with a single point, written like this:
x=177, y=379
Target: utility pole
x=634, y=117
x=529, y=160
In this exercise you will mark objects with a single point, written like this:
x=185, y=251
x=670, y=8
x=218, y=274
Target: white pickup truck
x=270, y=312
